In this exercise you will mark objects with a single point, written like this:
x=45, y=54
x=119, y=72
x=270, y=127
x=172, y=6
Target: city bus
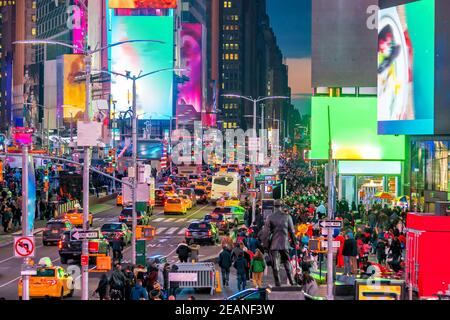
x=225, y=184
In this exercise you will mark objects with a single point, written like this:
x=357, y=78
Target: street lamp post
x=87, y=150
x=255, y=102
x=134, y=125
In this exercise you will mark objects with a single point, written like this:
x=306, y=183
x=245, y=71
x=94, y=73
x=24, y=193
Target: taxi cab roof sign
x=45, y=261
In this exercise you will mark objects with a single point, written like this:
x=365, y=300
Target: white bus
x=225, y=184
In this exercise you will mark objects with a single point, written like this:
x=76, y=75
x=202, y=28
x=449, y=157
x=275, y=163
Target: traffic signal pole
x=330, y=211
x=25, y=222
x=135, y=169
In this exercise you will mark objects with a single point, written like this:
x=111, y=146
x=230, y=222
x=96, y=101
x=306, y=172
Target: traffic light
x=248, y=174
x=110, y=152
x=1, y=170
x=46, y=173
x=46, y=185
x=268, y=189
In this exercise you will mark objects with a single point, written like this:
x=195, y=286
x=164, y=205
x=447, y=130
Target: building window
x=33, y=31
x=224, y=125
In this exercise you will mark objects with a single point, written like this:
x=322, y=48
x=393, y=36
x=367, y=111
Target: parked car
x=54, y=229
x=116, y=230
x=201, y=232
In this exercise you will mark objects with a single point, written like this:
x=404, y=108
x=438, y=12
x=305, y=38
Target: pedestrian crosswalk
x=111, y=219
x=160, y=220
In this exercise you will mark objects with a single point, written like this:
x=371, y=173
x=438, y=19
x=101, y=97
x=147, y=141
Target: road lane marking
x=7, y=259
x=171, y=230
x=182, y=231
x=158, y=220
x=9, y=282
x=197, y=211
x=159, y=230
x=170, y=220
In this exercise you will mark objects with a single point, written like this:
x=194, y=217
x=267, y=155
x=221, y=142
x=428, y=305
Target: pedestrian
x=381, y=251
x=350, y=252
x=7, y=219
x=257, y=267
x=225, y=262
x=117, y=283
x=183, y=251
x=138, y=292
x=174, y=285
x=240, y=265
x=17, y=216
x=166, y=271
x=129, y=282
x=340, y=257
x=102, y=287
x=117, y=247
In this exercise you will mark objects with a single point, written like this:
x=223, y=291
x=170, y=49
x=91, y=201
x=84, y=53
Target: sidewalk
x=7, y=238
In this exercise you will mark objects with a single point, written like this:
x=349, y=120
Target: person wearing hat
x=278, y=229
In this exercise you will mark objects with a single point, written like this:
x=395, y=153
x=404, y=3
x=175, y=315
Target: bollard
x=218, y=286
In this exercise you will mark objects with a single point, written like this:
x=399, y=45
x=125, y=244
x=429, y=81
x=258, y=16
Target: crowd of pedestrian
x=150, y=282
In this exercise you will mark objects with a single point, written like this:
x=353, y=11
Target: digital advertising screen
x=190, y=92
x=71, y=95
x=154, y=92
x=144, y=4
x=353, y=123
x=150, y=150
x=406, y=68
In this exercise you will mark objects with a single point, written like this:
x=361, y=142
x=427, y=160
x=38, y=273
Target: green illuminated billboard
x=353, y=123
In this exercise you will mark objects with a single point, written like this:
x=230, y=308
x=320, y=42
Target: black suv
x=54, y=229
x=71, y=249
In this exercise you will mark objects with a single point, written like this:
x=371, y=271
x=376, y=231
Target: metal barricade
x=195, y=275
x=64, y=207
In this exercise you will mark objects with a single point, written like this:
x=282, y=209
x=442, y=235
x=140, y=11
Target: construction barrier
x=195, y=275
x=64, y=207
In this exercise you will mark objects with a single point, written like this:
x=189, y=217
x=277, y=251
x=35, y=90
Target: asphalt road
x=169, y=233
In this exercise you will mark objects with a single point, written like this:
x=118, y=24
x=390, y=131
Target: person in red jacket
x=340, y=257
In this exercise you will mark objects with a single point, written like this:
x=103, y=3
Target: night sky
x=291, y=21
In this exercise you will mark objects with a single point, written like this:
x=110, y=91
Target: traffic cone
x=218, y=286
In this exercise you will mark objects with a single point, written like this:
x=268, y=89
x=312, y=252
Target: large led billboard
x=144, y=4
x=406, y=64
x=413, y=67
x=154, y=92
x=190, y=92
x=71, y=95
x=353, y=123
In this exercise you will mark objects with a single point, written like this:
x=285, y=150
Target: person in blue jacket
x=139, y=292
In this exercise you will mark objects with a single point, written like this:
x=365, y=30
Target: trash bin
x=195, y=248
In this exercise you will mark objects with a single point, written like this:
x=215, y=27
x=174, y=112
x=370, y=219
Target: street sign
x=84, y=260
x=336, y=244
x=82, y=235
x=28, y=270
x=24, y=247
x=331, y=223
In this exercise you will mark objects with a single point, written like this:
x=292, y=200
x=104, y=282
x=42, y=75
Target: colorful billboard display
x=406, y=68
x=144, y=4
x=353, y=122
x=190, y=92
x=154, y=92
x=71, y=96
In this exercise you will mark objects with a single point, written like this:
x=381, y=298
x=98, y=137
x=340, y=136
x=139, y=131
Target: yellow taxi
x=187, y=201
x=50, y=281
x=169, y=189
x=201, y=185
x=228, y=202
x=175, y=205
x=75, y=216
x=208, y=192
x=119, y=200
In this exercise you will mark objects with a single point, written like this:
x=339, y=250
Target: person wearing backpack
x=117, y=281
x=138, y=292
x=257, y=267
